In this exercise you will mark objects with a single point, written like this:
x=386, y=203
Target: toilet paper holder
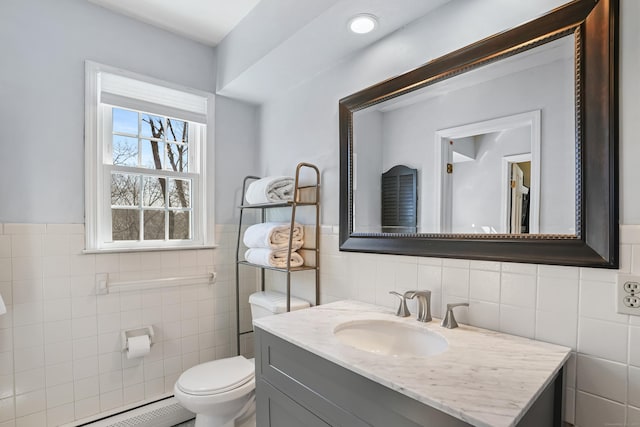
x=125, y=335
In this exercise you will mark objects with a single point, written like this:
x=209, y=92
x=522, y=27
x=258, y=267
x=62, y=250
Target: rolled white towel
x=271, y=258
x=273, y=235
x=270, y=189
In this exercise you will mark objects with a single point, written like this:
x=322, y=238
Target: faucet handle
x=403, y=310
x=449, y=320
x=424, y=304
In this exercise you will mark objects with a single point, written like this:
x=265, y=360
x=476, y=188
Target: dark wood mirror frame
x=595, y=25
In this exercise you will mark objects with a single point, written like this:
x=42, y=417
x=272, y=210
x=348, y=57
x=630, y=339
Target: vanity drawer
x=335, y=394
x=276, y=409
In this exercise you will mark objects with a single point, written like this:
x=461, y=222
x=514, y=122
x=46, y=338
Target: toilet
x=222, y=392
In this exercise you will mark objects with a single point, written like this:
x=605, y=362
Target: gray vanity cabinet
x=298, y=388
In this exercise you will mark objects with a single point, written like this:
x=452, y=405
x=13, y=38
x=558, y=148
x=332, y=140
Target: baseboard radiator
x=163, y=413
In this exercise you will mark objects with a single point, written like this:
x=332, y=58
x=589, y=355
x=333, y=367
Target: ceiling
x=320, y=41
x=257, y=38
x=206, y=21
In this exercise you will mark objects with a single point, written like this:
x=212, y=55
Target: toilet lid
x=217, y=376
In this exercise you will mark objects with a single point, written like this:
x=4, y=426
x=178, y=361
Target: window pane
x=152, y=153
x=177, y=130
x=125, y=224
x=125, y=190
x=125, y=151
x=153, y=225
x=125, y=121
x=179, y=225
x=153, y=191
x=177, y=157
x=151, y=126
x=179, y=193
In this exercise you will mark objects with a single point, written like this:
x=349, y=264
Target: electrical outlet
x=628, y=294
x=631, y=302
x=631, y=287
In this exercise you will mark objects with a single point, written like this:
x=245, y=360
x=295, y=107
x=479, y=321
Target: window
x=146, y=147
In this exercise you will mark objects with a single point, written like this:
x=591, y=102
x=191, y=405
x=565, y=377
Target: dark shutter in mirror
x=399, y=200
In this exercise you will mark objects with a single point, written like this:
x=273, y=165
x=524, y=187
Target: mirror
x=467, y=173
x=503, y=150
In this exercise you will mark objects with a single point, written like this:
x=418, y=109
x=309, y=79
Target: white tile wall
x=633, y=416
x=607, y=340
x=564, y=305
x=634, y=346
x=59, y=343
x=594, y=411
x=60, y=357
x=634, y=386
x=602, y=378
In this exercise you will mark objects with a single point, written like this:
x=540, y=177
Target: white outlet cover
x=621, y=294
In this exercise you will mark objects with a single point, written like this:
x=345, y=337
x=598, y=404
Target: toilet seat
x=216, y=377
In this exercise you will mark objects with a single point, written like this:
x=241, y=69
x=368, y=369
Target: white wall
x=369, y=128
x=45, y=46
x=42, y=113
x=237, y=151
x=566, y=305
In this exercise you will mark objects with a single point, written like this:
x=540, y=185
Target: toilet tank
x=268, y=303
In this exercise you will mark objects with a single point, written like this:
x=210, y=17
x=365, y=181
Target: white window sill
x=150, y=249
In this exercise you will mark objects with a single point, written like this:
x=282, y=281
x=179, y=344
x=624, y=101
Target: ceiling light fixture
x=363, y=23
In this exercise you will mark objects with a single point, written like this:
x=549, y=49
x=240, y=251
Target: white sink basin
x=390, y=338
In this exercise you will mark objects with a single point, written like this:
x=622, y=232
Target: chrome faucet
x=424, y=304
x=403, y=310
x=449, y=320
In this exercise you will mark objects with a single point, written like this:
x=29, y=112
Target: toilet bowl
x=222, y=391
x=218, y=392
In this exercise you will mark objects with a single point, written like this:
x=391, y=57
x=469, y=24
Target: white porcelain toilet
x=218, y=392
x=222, y=392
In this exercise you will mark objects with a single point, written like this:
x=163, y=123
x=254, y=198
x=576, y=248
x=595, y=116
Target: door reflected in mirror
x=519, y=208
x=493, y=150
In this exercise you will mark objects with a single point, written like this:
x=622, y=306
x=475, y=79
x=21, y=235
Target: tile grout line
x=577, y=330
x=535, y=307
x=13, y=345
x=41, y=255
x=626, y=412
x=500, y=298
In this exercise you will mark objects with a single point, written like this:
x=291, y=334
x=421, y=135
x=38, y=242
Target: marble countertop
x=484, y=378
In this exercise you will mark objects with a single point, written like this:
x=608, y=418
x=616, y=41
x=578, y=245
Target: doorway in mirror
x=474, y=184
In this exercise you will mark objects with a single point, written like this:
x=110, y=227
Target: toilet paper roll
x=138, y=346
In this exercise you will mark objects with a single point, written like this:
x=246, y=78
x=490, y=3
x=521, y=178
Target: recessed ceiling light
x=363, y=23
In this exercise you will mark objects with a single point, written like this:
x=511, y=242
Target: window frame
x=99, y=167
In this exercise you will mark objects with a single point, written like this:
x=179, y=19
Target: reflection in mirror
x=399, y=198
x=493, y=150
